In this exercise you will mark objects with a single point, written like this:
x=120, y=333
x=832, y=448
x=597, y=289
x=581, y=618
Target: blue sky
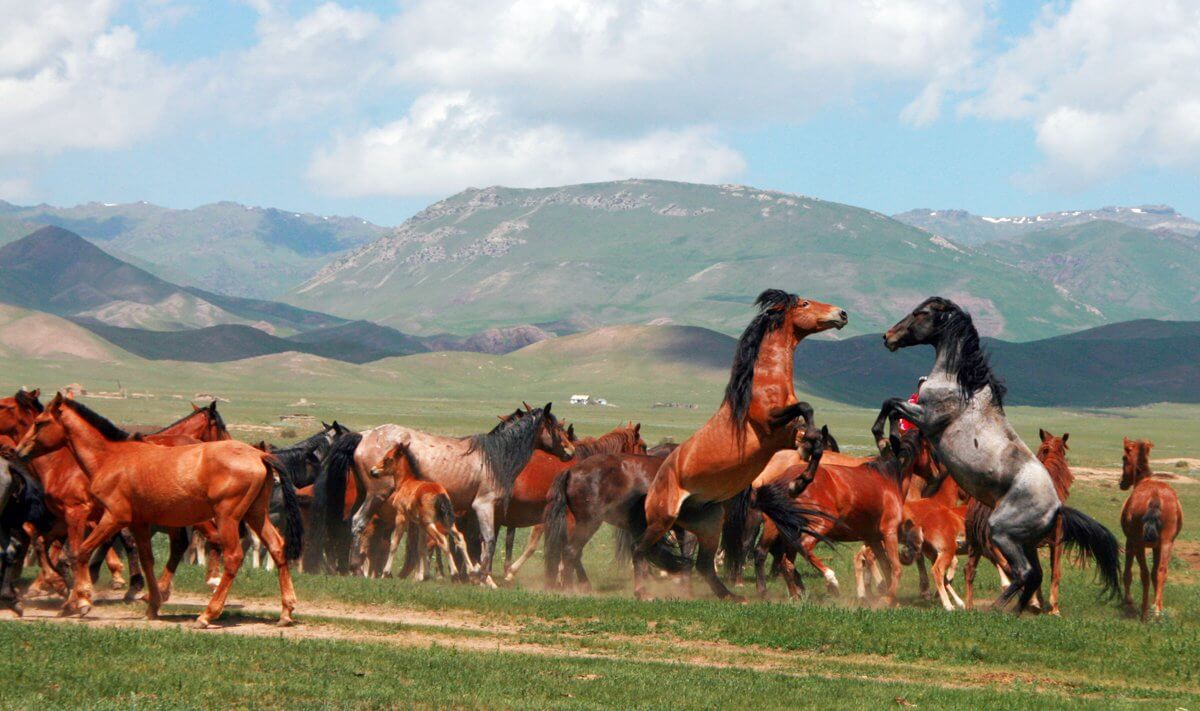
x=378, y=108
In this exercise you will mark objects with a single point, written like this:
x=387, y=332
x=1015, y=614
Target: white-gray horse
x=961, y=411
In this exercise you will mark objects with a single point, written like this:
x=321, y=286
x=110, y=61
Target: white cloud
x=70, y=80
x=1108, y=85
x=449, y=140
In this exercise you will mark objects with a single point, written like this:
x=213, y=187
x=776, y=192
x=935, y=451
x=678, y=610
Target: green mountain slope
x=1125, y=271
x=224, y=247
x=643, y=251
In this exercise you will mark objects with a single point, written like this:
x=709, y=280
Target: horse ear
x=527, y=407
x=1066, y=436
x=637, y=428
x=195, y=408
x=35, y=393
x=546, y=409
x=328, y=427
x=1043, y=434
x=213, y=407
x=58, y=398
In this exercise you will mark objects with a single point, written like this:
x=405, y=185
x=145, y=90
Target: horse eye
x=804, y=305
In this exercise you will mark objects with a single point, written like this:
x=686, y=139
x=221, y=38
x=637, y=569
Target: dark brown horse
x=725, y=455
x=139, y=485
x=1151, y=518
x=1052, y=453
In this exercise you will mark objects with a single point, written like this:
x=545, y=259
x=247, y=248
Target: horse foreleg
x=141, y=538
x=82, y=594
x=116, y=569
x=401, y=526
x=485, y=511
x=706, y=524
x=1056, y=555
x=510, y=540
x=941, y=575
x=535, y=535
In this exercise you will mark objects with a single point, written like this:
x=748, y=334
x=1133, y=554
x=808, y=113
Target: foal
x=1151, y=518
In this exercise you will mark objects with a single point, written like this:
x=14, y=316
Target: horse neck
x=1060, y=474
x=610, y=443
x=514, y=461
x=87, y=445
x=1142, y=471
x=776, y=359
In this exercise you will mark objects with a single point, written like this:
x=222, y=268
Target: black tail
x=555, y=520
x=1152, y=522
x=791, y=520
x=294, y=540
x=329, y=496
x=444, y=512
x=1090, y=538
x=624, y=542
x=660, y=554
x=733, y=533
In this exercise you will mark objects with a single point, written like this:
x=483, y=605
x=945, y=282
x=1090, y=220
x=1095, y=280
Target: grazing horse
x=725, y=455
x=66, y=487
x=1052, y=453
x=477, y=471
x=1151, y=518
x=863, y=502
x=140, y=485
x=960, y=411
x=17, y=414
x=422, y=508
x=527, y=505
x=21, y=504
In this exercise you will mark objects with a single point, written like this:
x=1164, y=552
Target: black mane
x=28, y=401
x=508, y=446
x=106, y=427
x=967, y=358
x=773, y=305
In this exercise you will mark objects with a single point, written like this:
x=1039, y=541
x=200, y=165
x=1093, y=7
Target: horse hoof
x=285, y=622
x=151, y=614
x=18, y=608
x=117, y=584
x=213, y=582
x=201, y=623
x=737, y=599
x=132, y=595
x=508, y=577
x=84, y=608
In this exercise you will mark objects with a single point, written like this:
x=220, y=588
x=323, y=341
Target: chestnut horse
x=17, y=414
x=477, y=471
x=140, y=485
x=70, y=502
x=527, y=505
x=1151, y=518
x=722, y=459
x=1052, y=453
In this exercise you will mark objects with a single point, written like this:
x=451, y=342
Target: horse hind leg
x=273, y=540
x=230, y=541
x=535, y=535
x=1162, y=557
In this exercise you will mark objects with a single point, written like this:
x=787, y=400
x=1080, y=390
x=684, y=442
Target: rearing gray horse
x=961, y=411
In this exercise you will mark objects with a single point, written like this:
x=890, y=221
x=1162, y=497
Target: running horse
x=477, y=471
x=725, y=455
x=960, y=411
x=17, y=413
x=1151, y=518
x=140, y=485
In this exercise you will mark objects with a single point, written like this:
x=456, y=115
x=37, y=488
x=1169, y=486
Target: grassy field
x=371, y=643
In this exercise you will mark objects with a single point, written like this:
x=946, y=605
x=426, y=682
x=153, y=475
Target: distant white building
x=580, y=399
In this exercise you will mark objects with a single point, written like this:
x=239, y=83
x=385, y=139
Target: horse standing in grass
x=527, y=505
x=1151, y=518
x=140, y=485
x=724, y=456
x=477, y=471
x=960, y=411
x=1052, y=453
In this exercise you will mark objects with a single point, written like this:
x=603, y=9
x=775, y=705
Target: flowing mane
x=773, y=305
x=1055, y=462
x=28, y=401
x=968, y=360
x=507, y=447
x=210, y=412
x=104, y=425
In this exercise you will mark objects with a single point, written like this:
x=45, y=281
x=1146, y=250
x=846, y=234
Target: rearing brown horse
x=725, y=455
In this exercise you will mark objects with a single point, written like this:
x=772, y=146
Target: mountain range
x=223, y=247
x=966, y=228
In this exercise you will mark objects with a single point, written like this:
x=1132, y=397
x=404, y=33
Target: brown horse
x=1052, y=453
x=419, y=507
x=863, y=502
x=527, y=505
x=1151, y=518
x=140, y=485
x=726, y=454
x=69, y=500
x=17, y=413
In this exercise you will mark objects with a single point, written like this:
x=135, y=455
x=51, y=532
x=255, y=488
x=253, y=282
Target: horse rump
x=1152, y=522
x=1091, y=539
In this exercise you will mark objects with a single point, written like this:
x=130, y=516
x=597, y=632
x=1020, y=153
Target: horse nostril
x=844, y=315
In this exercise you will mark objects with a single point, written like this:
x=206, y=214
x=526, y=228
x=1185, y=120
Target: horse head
x=1135, y=464
x=923, y=325
x=45, y=434
x=552, y=438
x=17, y=413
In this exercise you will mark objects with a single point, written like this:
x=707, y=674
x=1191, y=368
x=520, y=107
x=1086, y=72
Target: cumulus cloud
x=71, y=80
x=449, y=140
x=1108, y=86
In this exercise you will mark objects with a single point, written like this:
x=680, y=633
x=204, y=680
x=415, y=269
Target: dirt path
x=468, y=631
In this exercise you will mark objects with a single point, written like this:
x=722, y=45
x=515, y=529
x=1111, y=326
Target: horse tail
x=444, y=511
x=555, y=520
x=624, y=542
x=329, y=495
x=791, y=520
x=1152, y=522
x=660, y=554
x=294, y=541
x=1091, y=538
x=733, y=533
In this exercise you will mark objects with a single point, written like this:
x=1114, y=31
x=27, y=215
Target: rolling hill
x=647, y=251
x=57, y=271
x=223, y=247
x=1125, y=271
x=966, y=228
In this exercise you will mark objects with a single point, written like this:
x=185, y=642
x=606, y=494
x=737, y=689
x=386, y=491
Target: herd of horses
x=758, y=480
